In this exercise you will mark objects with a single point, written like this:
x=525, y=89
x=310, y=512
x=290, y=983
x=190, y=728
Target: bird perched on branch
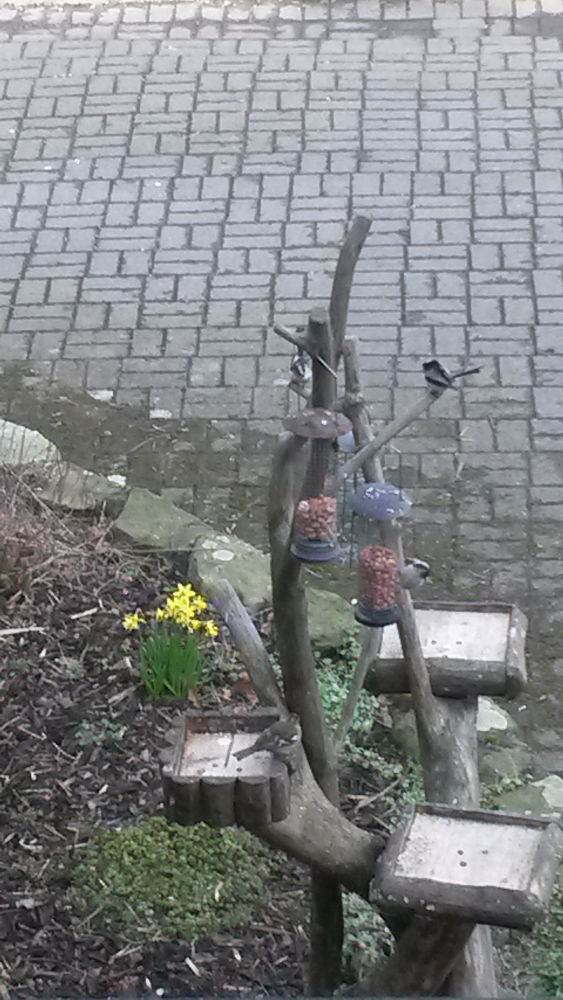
x=414, y=574
x=300, y=366
x=439, y=378
x=281, y=739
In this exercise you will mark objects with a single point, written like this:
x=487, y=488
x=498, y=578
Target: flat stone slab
x=81, y=490
x=152, y=521
x=22, y=446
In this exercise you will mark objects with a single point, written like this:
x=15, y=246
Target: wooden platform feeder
x=471, y=865
x=470, y=649
x=205, y=783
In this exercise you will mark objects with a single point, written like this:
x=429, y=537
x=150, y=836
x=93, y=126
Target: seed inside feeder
x=378, y=576
x=315, y=519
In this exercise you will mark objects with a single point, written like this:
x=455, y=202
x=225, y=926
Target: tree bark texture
x=294, y=646
x=343, y=278
x=425, y=954
x=317, y=833
x=327, y=934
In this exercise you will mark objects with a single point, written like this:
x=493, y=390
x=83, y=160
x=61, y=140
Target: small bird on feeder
x=439, y=378
x=414, y=574
x=281, y=739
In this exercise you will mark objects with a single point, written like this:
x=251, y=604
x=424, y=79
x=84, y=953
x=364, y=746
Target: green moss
x=165, y=879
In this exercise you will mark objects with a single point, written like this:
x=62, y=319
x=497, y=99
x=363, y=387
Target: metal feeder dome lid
x=318, y=423
x=380, y=501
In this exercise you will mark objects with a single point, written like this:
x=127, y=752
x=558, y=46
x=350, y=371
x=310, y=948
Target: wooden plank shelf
x=203, y=780
x=469, y=648
x=471, y=865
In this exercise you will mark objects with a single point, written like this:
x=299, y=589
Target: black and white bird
x=300, y=366
x=414, y=574
x=282, y=739
x=439, y=378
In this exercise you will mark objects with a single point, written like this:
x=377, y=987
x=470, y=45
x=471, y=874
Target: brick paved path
x=175, y=176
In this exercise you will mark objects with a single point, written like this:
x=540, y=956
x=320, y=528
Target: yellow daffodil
x=133, y=621
x=183, y=606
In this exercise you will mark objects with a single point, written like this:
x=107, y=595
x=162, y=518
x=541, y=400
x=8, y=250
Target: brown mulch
x=79, y=744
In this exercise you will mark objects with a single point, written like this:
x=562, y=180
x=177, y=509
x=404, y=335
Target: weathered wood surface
x=472, y=865
x=469, y=649
x=424, y=957
x=343, y=278
x=326, y=917
x=203, y=780
x=290, y=608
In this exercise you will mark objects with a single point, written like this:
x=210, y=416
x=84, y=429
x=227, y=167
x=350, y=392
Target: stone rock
x=21, y=446
x=78, y=489
x=330, y=616
x=494, y=725
x=404, y=734
x=154, y=521
x=491, y=718
x=552, y=790
x=528, y=798
x=225, y=557
x=501, y=762
x=151, y=521
x=403, y=727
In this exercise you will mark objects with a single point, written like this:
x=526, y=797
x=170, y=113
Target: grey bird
x=281, y=739
x=414, y=574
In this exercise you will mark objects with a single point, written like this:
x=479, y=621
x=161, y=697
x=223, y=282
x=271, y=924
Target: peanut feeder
x=378, y=566
x=315, y=525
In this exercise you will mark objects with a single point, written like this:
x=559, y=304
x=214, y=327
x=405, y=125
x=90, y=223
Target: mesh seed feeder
x=315, y=526
x=378, y=567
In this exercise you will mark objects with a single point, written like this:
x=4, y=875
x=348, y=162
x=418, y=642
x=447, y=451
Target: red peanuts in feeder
x=378, y=576
x=315, y=519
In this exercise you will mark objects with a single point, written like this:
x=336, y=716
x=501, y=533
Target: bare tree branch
x=343, y=277
x=371, y=644
x=387, y=434
x=245, y=636
x=317, y=833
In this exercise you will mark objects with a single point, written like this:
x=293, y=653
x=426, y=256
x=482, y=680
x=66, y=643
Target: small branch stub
x=205, y=781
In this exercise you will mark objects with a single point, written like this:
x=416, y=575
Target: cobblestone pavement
x=174, y=176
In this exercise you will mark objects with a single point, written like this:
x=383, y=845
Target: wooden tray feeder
x=204, y=782
x=470, y=649
x=471, y=865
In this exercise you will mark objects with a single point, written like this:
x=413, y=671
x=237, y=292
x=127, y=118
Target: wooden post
x=294, y=646
x=327, y=922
